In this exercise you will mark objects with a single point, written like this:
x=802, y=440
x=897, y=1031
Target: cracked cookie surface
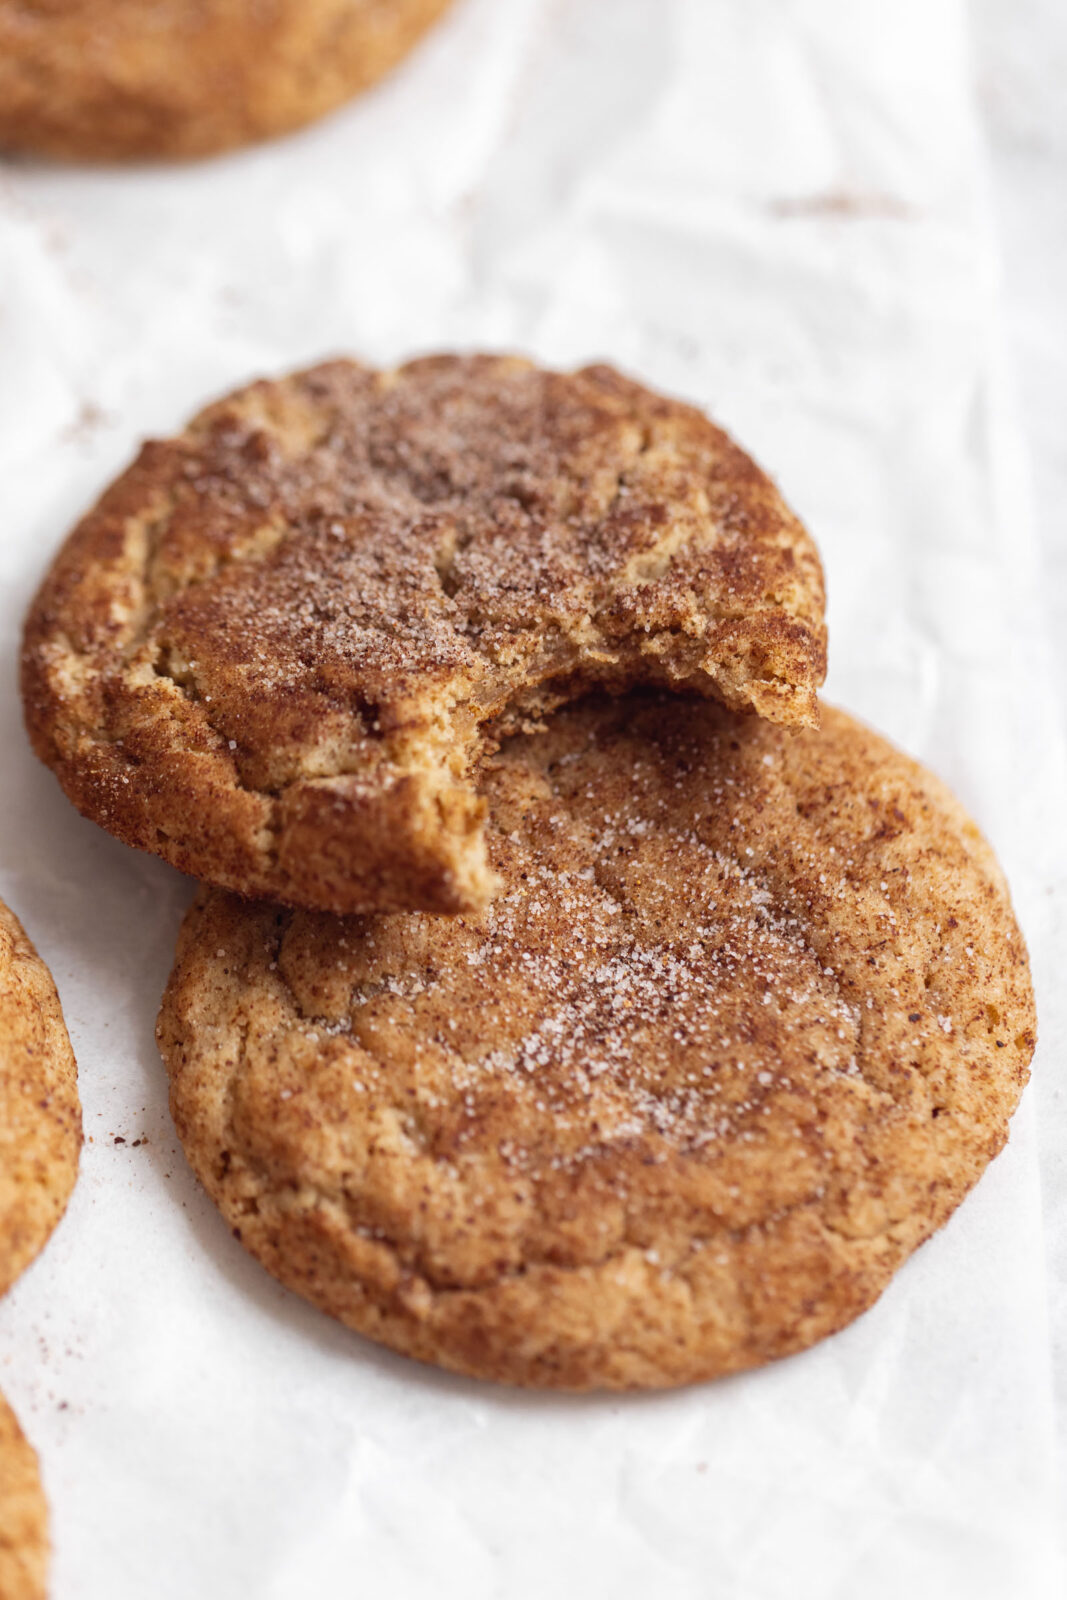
x=23, y=1515
x=40, y=1114
x=277, y=647
x=117, y=79
x=746, y=1022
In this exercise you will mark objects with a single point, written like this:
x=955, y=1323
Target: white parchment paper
x=774, y=208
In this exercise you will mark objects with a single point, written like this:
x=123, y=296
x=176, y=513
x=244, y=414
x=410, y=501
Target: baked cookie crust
x=744, y=1026
x=23, y=1515
x=40, y=1114
x=275, y=650
x=116, y=80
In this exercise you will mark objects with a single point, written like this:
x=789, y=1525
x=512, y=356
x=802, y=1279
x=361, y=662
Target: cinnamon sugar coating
x=40, y=1114
x=115, y=80
x=23, y=1515
x=275, y=649
x=746, y=1022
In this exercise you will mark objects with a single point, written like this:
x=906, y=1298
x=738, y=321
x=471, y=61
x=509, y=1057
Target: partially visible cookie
x=745, y=1024
x=275, y=650
x=40, y=1114
x=23, y=1515
x=119, y=79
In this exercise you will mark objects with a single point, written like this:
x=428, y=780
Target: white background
x=786, y=210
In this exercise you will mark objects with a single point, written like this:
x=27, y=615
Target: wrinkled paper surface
x=773, y=208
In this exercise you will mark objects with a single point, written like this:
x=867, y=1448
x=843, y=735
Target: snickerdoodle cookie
x=23, y=1515
x=118, y=79
x=273, y=652
x=746, y=1022
x=40, y=1115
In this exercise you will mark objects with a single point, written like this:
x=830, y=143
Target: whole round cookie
x=40, y=1114
x=747, y=1021
x=23, y=1515
x=277, y=647
x=118, y=79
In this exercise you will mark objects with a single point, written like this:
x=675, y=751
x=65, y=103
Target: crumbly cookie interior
x=336, y=592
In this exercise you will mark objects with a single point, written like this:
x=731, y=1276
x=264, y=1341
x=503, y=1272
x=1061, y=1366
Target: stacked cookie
x=40, y=1141
x=599, y=1016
